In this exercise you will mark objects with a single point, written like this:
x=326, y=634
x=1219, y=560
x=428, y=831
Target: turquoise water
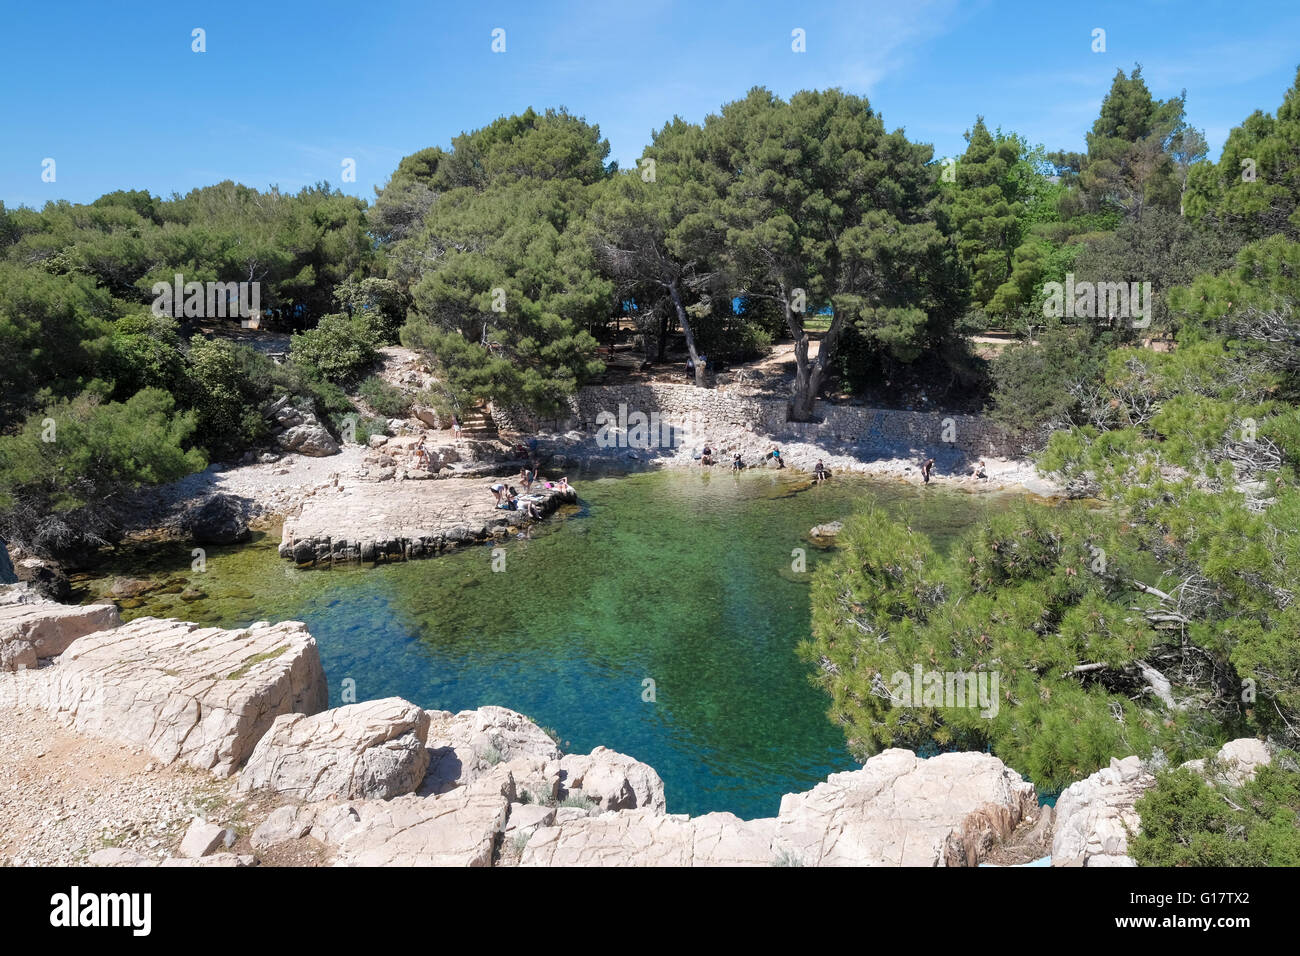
x=685, y=580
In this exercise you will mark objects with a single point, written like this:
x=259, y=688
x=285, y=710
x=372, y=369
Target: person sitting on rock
x=979, y=471
x=564, y=485
x=776, y=456
x=819, y=471
x=736, y=463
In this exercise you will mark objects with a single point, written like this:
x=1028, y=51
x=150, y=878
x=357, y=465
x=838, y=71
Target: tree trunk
x=686, y=330
x=809, y=376
x=7, y=574
x=661, y=354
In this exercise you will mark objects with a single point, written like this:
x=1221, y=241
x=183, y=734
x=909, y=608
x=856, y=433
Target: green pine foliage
x=1189, y=821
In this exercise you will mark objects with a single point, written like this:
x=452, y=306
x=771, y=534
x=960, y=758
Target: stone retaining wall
x=713, y=410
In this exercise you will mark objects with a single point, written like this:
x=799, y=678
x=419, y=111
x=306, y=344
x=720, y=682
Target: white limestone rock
x=204, y=838
x=283, y=825
x=1095, y=816
x=375, y=749
x=613, y=781
x=902, y=810
x=202, y=695
x=466, y=746
x=32, y=627
x=459, y=828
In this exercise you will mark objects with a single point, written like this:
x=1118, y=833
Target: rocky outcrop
x=1235, y=763
x=368, y=522
x=374, y=749
x=829, y=530
x=466, y=746
x=219, y=520
x=898, y=810
x=32, y=627
x=202, y=695
x=612, y=781
x=459, y=828
x=299, y=430
x=1096, y=816
x=902, y=810
x=646, y=838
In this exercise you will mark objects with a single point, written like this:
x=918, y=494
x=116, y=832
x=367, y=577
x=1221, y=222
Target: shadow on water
x=659, y=618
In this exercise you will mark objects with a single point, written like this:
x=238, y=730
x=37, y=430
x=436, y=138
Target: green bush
x=338, y=350
x=227, y=385
x=61, y=474
x=1188, y=822
x=1041, y=384
x=387, y=400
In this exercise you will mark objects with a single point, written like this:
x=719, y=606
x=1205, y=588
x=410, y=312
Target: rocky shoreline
x=216, y=747
x=376, y=502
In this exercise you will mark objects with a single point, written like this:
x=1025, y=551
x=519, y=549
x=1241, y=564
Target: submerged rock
x=828, y=530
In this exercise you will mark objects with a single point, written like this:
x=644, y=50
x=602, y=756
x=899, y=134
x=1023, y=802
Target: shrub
x=61, y=474
x=385, y=399
x=1188, y=822
x=338, y=350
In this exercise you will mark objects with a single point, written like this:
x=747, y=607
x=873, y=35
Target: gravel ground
x=65, y=795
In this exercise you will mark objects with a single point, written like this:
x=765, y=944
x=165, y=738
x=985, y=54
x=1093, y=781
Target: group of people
x=508, y=497
x=738, y=463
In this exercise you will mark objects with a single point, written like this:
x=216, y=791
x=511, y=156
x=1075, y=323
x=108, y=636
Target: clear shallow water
x=683, y=579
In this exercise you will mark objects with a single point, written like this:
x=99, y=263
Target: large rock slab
x=379, y=521
x=613, y=781
x=374, y=749
x=466, y=746
x=202, y=695
x=459, y=828
x=646, y=838
x=32, y=627
x=902, y=810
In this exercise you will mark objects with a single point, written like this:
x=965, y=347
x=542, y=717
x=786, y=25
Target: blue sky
x=286, y=91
